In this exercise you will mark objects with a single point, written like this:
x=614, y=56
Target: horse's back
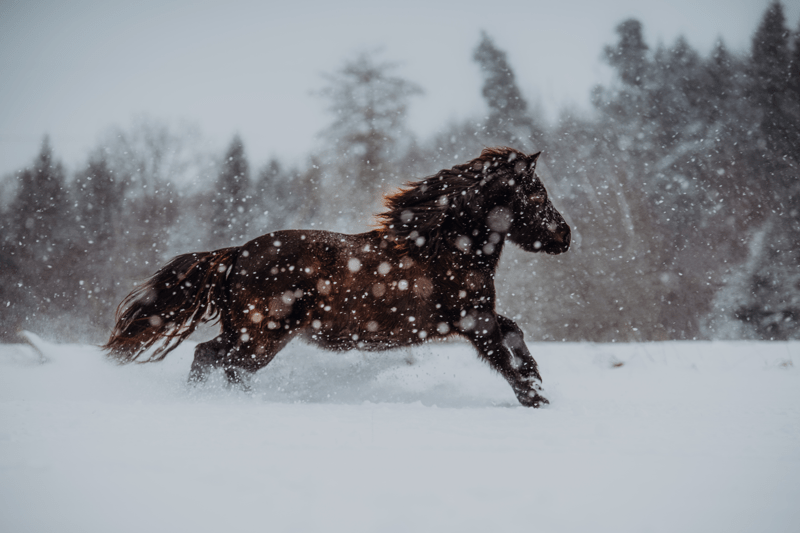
x=282, y=274
x=347, y=291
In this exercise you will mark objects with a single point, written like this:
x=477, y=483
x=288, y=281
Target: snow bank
x=642, y=437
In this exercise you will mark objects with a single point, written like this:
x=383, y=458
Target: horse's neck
x=470, y=260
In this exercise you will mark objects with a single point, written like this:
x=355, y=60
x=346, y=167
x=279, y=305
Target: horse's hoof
x=532, y=399
x=197, y=375
x=540, y=401
x=238, y=378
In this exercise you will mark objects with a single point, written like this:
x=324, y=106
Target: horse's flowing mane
x=417, y=215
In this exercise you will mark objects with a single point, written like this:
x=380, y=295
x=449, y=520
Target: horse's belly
x=341, y=333
x=371, y=344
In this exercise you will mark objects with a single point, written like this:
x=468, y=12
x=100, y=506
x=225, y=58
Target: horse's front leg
x=488, y=337
x=525, y=363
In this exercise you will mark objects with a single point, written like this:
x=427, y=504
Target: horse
x=425, y=272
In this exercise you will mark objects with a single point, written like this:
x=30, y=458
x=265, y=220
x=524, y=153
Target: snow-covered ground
x=640, y=437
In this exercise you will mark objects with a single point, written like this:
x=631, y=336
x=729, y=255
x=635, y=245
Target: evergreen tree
x=369, y=107
x=768, y=299
x=626, y=103
x=770, y=70
x=792, y=101
x=100, y=202
x=100, y=198
x=509, y=119
x=307, y=192
x=794, y=67
x=41, y=203
x=629, y=56
x=682, y=78
x=274, y=196
x=720, y=83
x=287, y=197
x=771, y=306
x=37, y=245
x=230, y=217
x=12, y=295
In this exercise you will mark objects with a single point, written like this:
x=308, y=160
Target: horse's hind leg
x=218, y=354
x=207, y=356
x=253, y=354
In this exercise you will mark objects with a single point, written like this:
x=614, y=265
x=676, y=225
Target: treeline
x=682, y=186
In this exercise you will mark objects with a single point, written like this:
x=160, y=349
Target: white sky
x=72, y=69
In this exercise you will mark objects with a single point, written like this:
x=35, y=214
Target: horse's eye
x=538, y=198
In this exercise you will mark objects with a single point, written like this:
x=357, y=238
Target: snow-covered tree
x=99, y=200
x=629, y=55
x=369, y=105
x=509, y=121
x=771, y=74
x=100, y=197
x=768, y=300
x=37, y=243
x=279, y=196
x=231, y=191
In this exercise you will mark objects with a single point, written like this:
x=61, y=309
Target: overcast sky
x=72, y=69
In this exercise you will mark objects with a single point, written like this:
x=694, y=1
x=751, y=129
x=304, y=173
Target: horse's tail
x=167, y=308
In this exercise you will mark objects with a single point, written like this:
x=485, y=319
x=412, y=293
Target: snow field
x=679, y=437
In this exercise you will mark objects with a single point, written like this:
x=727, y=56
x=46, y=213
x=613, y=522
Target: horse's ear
x=534, y=158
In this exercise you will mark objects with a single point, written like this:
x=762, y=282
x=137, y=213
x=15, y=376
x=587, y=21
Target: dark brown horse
x=426, y=273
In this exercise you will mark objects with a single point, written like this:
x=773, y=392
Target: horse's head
x=524, y=210
x=494, y=195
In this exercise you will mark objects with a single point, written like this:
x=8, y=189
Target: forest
x=681, y=184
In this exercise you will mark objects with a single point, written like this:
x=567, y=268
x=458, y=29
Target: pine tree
x=770, y=70
x=37, y=243
x=273, y=196
x=231, y=190
x=792, y=101
x=369, y=106
x=100, y=202
x=287, y=197
x=628, y=102
x=794, y=67
x=509, y=120
x=100, y=197
x=308, y=194
x=720, y=82
x=629, y=56
x=771, y=304
x=40, y=202
x=769, y=297
x=674, y=92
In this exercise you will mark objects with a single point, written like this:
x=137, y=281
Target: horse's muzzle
x=560, y=241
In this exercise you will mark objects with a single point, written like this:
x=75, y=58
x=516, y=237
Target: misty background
x=674, y=157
